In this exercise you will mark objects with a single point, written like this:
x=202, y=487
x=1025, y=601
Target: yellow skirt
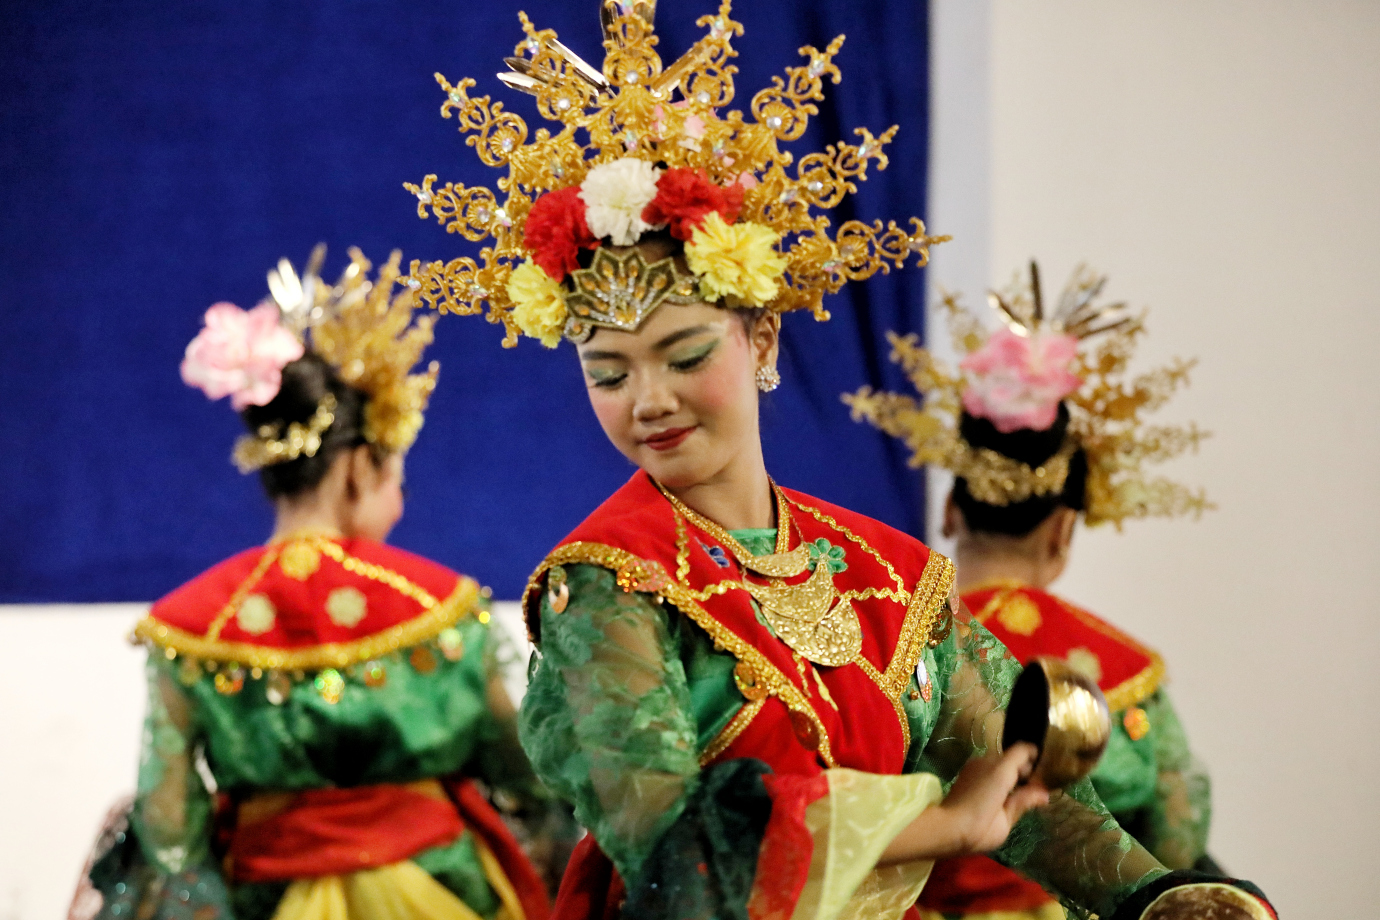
x=402, y=891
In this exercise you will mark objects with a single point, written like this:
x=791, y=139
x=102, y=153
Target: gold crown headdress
x=641, y=146
x=1105, y=408
x=368, y=335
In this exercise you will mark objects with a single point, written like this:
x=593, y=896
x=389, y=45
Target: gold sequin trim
x=682, y=550
x=730, y=732
x=462, y=602
x=377, y=573
x=614, y=559
x=927, y=605
x=866, y=547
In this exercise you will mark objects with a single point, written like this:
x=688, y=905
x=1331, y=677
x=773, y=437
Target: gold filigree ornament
x=623, y=133
x=279, y=443
x=1106, y=411
x=365, y=329
x=809, y=617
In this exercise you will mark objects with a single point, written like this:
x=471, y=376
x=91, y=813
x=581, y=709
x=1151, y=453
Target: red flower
x=685, y=197
x=556, y=231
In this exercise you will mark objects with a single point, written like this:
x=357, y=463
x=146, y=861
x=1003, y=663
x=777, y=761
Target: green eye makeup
x=691, y=358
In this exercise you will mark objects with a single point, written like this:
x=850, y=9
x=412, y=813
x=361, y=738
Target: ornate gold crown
x=1105, y=410
x=368, y=335
x=742, y=205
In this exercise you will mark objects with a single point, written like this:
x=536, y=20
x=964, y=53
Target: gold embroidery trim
x=884, y=685
x=715, y=530
x=927, y=602
x=377, y=573
x=461, y=602
x=828, y=521
x=730, y=732
x=613, y=559
x=682, y=550
x=232, y=606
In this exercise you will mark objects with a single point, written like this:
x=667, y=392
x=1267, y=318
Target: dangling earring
x=767, y=378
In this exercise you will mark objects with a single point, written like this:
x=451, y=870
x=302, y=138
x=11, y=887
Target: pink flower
x=1017, y=382
x=240, y=354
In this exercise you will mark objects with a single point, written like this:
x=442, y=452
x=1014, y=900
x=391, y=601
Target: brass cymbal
x=1064, y=714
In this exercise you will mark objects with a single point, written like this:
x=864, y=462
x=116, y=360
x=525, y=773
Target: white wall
x=71, y=713
x=1218, y=159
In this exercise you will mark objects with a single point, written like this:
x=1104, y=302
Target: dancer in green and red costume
x=1039, y=428
x=761, y=705
x=320, y=706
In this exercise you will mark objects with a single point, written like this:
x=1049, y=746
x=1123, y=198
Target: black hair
x=1031, y=448
x=305, y=382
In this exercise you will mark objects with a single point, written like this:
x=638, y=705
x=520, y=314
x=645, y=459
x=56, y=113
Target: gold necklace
x=805, y=615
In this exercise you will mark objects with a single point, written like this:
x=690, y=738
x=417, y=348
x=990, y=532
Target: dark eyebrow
x=662, y=345
x=675, y=337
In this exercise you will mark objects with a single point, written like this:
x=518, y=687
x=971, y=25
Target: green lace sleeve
x=1177, y=826
x=161, y=866
x=1072, y=846
x=172, y=808
x=607, y=720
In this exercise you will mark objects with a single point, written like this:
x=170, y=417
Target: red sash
x=799, y=718
x=337, y=831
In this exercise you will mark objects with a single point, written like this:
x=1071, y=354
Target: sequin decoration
x=806, y=732
x=330, y=685
x=278, y=688
x=922, y=678
x=230, y=681
x=451, y=643
x=346, y=606
x=1136, y=723
x=642, y=575
x=750, y=684
x=256, y=615
x=557, y=591
x=189, y=672
x=375, y=674
x=422, y=659
x=806, y=617
x=299, y=560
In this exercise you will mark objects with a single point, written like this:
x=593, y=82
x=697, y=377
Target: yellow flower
x=735, y=259
x=538, y=303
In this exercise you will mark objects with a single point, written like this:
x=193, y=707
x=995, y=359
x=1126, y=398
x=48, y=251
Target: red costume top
x=800, y=716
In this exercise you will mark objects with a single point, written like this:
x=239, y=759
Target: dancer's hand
x=977, y=814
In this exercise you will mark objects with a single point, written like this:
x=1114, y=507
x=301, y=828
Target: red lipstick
x=671, y=437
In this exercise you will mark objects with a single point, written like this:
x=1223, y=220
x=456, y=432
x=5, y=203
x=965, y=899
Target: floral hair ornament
x=643, y=147
x=240, y=354
x=362, y=328
x=1017, y=377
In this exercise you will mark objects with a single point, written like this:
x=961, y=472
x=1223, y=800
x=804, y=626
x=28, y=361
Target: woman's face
x=378, y=502
x=678, y=397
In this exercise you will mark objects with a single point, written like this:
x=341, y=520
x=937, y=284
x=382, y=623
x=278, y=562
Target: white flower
x=615, y=194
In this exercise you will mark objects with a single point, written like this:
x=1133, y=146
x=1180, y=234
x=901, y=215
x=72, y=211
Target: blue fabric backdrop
x=157, y=157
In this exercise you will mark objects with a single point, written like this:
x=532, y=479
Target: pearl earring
x=767, y=378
